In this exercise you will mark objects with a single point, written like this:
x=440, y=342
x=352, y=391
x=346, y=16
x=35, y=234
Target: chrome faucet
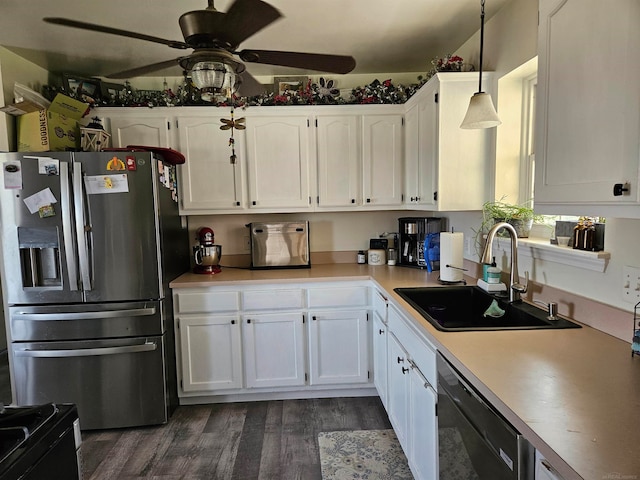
x=515, y=287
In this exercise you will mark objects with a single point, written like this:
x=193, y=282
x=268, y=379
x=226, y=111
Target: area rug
x=362, y=454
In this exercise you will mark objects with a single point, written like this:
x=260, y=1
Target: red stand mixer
x=206, y=255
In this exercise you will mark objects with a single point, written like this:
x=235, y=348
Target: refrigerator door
x=36, y=219
x=91, y=374
x=118, y=243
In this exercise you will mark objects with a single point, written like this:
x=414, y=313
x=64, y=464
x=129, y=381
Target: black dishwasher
x=474, y=441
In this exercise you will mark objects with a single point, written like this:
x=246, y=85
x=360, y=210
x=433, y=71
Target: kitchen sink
x=463, y=308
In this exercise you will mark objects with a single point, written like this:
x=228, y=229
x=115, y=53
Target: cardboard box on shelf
x=53, y=129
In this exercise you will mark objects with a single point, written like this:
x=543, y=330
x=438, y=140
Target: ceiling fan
x=214, y=37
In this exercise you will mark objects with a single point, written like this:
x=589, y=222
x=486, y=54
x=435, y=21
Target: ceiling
x=383, y=36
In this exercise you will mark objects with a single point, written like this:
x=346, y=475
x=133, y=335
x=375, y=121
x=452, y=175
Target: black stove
x=38, y=442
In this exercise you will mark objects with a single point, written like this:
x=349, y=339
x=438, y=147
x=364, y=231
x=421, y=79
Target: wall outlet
x=468, y=246
x=631, y=284
x=247, y=243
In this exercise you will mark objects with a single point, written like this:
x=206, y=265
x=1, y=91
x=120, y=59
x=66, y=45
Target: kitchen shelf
x=541, y=249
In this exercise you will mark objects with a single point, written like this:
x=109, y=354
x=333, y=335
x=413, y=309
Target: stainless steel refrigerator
x=90, y=242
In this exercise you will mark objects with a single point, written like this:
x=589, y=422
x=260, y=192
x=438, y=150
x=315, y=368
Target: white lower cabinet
x=338, y=347
x=272, y=339
x=380, y=357
x=544, y=470
x=210, y=352
x=412, y=398
x=273, y=345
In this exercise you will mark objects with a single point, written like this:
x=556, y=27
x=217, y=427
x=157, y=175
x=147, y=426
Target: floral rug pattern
x=362, y=454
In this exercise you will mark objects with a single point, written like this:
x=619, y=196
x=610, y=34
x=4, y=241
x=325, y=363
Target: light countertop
x=573, y=393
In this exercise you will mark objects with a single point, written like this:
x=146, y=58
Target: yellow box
x=54, y=129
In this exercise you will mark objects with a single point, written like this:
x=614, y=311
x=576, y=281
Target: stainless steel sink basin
x=462, y=308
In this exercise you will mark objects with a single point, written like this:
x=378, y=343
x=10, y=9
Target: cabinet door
x=382, y=159
x=588, y=103
x=279, y=157
x=338, y=347
x=398, y=394
x=210, y=353
x=273, y=349
x=209, y=178
x=380, y=357
x=421, y=147
x=133, y=130
x=423, y=429
x=338, y=160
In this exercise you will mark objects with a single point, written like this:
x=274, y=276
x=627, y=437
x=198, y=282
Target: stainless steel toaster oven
x=279, y=245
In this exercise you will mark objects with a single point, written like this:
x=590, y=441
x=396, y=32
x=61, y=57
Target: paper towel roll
x=451, y=245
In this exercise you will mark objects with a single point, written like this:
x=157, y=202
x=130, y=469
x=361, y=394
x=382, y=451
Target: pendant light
x=481, y=112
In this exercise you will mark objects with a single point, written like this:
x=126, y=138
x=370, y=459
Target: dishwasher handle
x=87, y=352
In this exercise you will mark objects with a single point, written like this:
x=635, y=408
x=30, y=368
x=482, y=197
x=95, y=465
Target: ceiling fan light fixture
x=481, y=112
x=213, y=75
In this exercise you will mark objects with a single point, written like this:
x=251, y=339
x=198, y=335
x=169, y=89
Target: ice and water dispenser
x=40, y=257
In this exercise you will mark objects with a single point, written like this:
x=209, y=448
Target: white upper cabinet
x=447, y=168
x=149, y=130
x=588, y=107
x=209, y=180
x=338, y=146
x=382, y=159
x=279, y=160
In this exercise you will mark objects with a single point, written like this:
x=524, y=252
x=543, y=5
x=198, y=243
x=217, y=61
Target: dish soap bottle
x=493, y=273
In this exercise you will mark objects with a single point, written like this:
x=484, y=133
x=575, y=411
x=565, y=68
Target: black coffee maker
x=413, y=232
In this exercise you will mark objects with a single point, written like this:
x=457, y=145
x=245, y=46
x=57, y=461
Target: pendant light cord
x=481, y=43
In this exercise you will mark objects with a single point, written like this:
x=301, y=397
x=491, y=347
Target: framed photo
x=111, y=91
x=81, y=87
x=282, y=84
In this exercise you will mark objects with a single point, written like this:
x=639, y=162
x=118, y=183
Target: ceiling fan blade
x=136, y=72
x=113, y=31
x=249, y=86
x=245, y=18
x=312, y=61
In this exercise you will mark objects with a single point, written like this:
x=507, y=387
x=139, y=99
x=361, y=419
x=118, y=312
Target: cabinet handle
x=417, y=199
x=353, y=200
x=233, y=322
x=380, y=331
x=253, y=202
x=405, y=370
x=412, y=199
x=400, y=360
x=248, y=320
x=313, y=318
x=368, y=200
x=237, y=204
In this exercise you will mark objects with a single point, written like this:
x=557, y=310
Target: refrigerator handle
x=137, y=312
x=83, y=250
x=87, y=352
x=67, y=229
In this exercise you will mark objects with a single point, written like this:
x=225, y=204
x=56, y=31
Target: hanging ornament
x=231, y=124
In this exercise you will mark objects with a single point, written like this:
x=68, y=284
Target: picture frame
x=81, y=87
x=296, y=84
x=111, y=91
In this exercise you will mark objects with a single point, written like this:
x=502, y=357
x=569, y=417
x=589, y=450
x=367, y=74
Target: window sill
x=541, y=249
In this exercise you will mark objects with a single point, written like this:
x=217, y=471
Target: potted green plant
x=520, y=216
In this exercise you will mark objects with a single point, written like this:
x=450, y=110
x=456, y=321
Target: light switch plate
x=631, y=284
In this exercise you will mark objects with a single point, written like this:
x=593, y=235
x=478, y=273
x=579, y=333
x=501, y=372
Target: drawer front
x=379, y=304
x=280, y=298
x=207, y=301
x=347, y=296
x=422, y=352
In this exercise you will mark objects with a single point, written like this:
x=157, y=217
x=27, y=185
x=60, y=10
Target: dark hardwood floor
x=274, y=440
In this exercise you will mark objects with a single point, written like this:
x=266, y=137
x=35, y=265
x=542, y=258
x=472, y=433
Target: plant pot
x=522, y=227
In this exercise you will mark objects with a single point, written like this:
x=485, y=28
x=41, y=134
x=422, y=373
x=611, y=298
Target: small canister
x=377, y=256
x=361, y=257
